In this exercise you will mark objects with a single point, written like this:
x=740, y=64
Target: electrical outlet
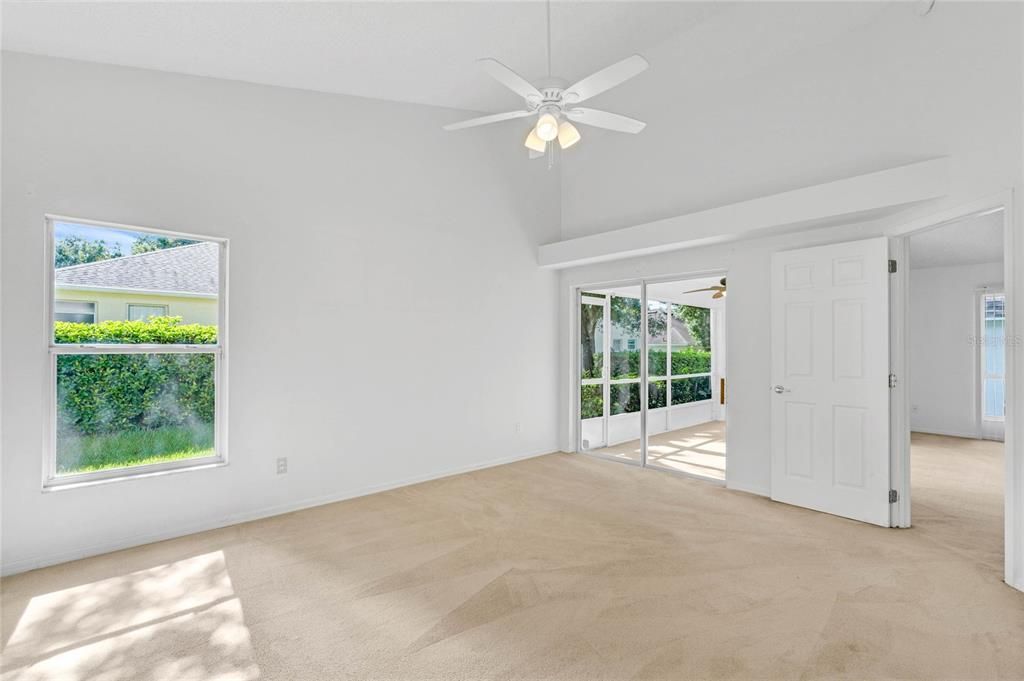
x=282, y=465
x=516, y=428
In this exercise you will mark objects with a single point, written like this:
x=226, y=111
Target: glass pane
x=692, y=389
x=136, y=275
x=995, y=397
x=995, y=307
x=591, y=340
x=625, y=398
x=657, y=332
x=657, y=394
x=591, y=401
x=692, y=326
x=625, y=359
x=690, y=361
x=994, y=352
x=117, y=411
x=995, y=355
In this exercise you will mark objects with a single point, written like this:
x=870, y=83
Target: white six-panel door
x=830, y=379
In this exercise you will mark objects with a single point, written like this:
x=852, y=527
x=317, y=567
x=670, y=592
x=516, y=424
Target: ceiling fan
x=719, y=290
x=554, y=102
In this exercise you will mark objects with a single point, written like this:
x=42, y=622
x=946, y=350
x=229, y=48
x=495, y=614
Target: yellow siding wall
x=114, y=305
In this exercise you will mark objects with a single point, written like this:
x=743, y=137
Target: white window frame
x=166, y=309
x=50, y=480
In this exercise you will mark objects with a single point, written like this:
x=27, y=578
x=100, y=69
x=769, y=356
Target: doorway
x=652, y=381
x=956, y=337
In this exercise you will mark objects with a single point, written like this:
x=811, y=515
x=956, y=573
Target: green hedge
x=109, y=393
x=626, y=363
x=625, y=397
x=162, y=330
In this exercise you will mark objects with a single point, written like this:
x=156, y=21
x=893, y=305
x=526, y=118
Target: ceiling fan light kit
x=555, y=105
x=534, y=142
x=568, y=135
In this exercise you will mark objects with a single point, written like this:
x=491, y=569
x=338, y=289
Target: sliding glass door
x=646, y=389
x=610, y=368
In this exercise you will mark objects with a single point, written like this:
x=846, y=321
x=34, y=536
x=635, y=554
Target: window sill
x=76, y=482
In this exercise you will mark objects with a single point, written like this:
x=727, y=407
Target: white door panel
x=830, y=371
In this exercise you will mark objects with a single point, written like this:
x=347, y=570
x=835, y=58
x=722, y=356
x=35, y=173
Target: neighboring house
x=680, y=337
x=180, y=282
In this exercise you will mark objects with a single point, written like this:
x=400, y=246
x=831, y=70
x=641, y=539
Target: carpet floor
x=559, y=567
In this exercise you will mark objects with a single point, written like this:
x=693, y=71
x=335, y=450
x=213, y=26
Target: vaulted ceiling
x=422, y=52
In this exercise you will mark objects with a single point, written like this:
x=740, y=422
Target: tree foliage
x=698, y=323
x=145, y=244
x=74, y=250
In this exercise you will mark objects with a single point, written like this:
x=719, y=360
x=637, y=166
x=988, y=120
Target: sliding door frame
x=574, y=367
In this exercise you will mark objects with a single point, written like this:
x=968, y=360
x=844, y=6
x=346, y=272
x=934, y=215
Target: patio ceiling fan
x=718, y=289
x=554, y=102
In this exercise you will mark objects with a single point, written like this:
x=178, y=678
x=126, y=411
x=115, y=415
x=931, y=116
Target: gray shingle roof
x=185, y=269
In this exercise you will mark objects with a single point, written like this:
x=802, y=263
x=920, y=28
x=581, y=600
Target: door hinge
x=892, y=380
x=894, y=496
x=892, y=267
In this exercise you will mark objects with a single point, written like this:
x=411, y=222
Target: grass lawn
x=82, y=454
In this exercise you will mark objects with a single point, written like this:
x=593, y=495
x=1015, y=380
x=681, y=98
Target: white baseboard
x=749, y=489
x=35, y=562
x=972, y=435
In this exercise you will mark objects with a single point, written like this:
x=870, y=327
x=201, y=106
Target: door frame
x=899, y=358
x=574, y=363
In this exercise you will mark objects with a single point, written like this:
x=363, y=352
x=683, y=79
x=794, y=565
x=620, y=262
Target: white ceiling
x=970, y=241
x=422, y=52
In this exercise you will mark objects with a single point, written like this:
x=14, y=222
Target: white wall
x=900, y=89
x=943, y=361
x=358, y=229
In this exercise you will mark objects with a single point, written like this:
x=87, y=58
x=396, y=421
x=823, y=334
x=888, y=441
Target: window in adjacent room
x=144, y=312
x=143, y=392
x=74, y=311
x=993, y=359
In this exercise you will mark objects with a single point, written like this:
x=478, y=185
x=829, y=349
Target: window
x=74, y=311
x=142, y=393
x=144, y=312
x=993, y=357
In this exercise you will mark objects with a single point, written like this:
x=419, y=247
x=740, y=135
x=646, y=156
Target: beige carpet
x=697, y=450
x=560, y=567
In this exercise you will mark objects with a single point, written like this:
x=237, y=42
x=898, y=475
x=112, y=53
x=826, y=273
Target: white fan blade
x=605, y=119
x=536, y=154
x=606, y=78
x=509, y=78
x=484, y=120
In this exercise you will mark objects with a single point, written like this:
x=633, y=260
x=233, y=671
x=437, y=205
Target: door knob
x=780, y=389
